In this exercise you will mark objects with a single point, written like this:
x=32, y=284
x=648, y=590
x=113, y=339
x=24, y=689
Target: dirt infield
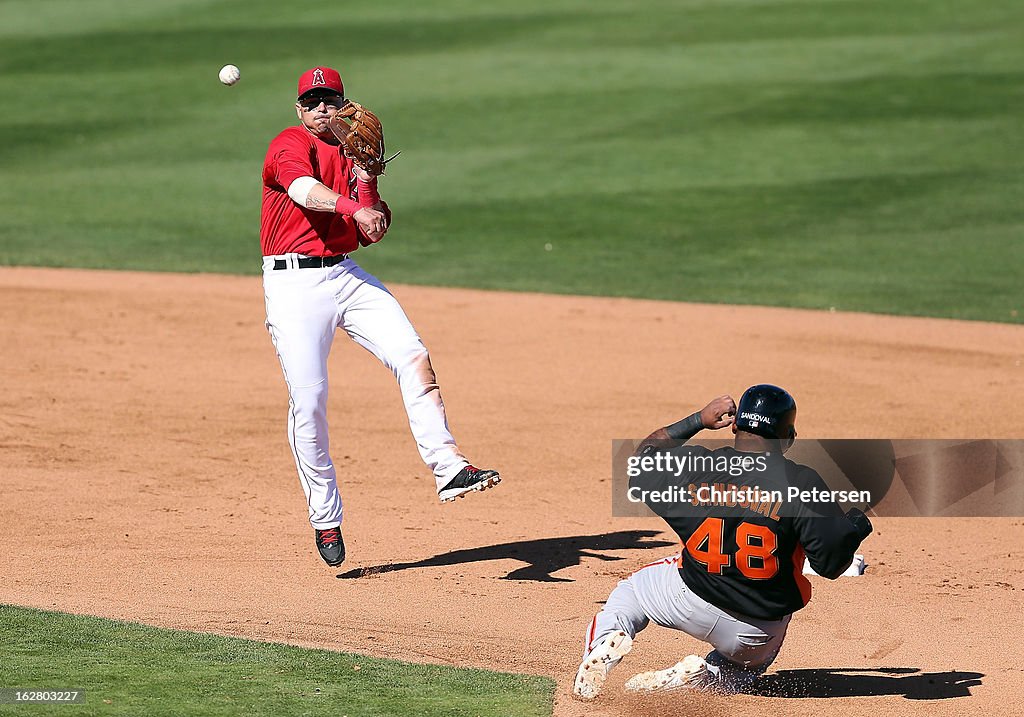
x=146, y=476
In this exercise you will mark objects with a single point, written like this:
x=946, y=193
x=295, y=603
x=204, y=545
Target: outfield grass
x=128, y=669
x=856, y=154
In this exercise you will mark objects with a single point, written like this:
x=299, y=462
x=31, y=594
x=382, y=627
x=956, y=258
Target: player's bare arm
x=370, y=219
x=319, y=199
x=719, y=413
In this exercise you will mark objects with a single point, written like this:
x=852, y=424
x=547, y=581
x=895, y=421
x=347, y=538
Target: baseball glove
x=361, y=137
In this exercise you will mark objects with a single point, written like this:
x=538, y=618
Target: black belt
x=310, y=262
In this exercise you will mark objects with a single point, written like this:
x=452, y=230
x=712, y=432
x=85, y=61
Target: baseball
x=229, y=75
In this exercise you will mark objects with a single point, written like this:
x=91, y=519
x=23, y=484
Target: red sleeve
x=288, y=158
x=368, y=195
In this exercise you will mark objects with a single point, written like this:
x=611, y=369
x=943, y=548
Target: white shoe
x=692, y=673
x=467, y=480
x=598, y=663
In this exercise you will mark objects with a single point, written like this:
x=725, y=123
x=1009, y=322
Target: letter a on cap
x=320, y=78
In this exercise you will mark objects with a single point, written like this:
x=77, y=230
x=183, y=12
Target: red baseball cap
x=321, y=78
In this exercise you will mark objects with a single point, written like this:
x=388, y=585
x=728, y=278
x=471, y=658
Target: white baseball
x=229, y=75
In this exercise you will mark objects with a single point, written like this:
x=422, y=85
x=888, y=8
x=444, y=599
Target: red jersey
x=285, y=227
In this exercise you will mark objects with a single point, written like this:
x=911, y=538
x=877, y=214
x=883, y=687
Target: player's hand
x=361, y=173
x=372, y=223
x=860, y=522
x=719, y=413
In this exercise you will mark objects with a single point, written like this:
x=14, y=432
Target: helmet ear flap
x=790, y=439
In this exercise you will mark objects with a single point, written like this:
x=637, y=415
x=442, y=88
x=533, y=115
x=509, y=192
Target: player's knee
x=418, y=371
x=416, y=355
x=309, y=402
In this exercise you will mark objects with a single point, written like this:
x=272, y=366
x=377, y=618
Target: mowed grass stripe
x=830, y=153
x=132, y=669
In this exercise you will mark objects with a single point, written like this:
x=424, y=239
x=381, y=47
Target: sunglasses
x=312, y=102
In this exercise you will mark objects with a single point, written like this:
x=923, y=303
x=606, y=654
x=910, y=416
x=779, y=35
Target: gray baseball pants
x=744, y=647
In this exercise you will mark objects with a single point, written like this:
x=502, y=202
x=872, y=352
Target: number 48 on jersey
x=755, y=555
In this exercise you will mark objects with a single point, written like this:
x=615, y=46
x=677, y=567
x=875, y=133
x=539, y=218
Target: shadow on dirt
x=908, y=682
x=542, y=557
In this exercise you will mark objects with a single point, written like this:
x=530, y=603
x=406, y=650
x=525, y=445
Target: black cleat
x=331, y=546
x=466, y=480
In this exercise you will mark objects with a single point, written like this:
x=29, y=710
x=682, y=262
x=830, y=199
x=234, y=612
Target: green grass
x=856, y=154
x=129, y=669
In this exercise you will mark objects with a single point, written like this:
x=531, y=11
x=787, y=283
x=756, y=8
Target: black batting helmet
x=767, y=411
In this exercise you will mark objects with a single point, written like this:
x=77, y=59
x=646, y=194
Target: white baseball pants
x=304, y=309
x=744, y=646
